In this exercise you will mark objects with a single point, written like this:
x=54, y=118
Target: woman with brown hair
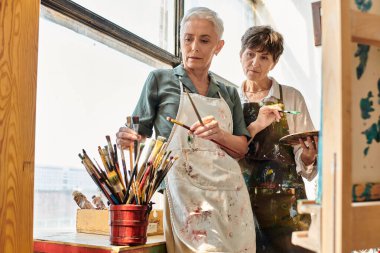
x=273, y=172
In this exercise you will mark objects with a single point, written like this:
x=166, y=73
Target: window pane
x=85, y=91
x=155, y=23
x=237, y=16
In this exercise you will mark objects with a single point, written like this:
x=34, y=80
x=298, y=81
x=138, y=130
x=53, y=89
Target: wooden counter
x=66, y=242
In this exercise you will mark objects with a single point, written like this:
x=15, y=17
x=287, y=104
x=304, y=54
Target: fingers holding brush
x=125, y=137
x=208, y=130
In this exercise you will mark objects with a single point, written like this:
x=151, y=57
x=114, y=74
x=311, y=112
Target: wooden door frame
x=19, y=22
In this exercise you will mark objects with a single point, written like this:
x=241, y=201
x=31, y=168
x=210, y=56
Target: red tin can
x=129, y=224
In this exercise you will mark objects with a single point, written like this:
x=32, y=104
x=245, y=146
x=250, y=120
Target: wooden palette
x=292, y=139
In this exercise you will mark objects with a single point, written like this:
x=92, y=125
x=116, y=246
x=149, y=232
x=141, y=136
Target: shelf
x=365, y=28
x=309, y=239
x=302, y=239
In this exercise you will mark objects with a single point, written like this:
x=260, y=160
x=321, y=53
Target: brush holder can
x=129, y=224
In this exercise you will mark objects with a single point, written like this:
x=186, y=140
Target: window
x=93, y=61
x=155, y=24
x=85, y=91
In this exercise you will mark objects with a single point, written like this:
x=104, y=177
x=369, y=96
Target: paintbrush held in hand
x=214, y=141
x=284, y=111
x=145, y=174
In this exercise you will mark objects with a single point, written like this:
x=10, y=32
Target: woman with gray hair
x=207, y=206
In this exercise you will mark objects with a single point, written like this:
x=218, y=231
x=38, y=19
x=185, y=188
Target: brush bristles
x=129, y=122
x=161, y=138
x=144, y=177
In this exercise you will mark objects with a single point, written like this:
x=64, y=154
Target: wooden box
x=92, y=221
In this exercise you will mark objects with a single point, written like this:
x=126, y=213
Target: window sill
x=60, y=242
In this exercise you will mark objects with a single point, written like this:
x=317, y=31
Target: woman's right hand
x=126, y=136
x=267, y=115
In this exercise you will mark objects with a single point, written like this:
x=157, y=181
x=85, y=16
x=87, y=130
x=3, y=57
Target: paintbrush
x=130, y=148
x=91, y=165
x=284, y=111
x=195, y=108
x=133, y=175
x=153, y=155
x=108, y=158
x=124, y=167
x=116, y=184
x=161, y=167
x=200, y=121
x=97, y=182
x=136, y=121
x=188, y=128
x=112, y=174
x=145, y=154
x=102, y=177
x=113, y=159
x=104, y=160
x=97, y=178
x=110, y=152
x=290, y=112
x=162, y=175
x=178, y=123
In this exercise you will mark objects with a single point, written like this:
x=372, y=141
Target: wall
x=300, y=64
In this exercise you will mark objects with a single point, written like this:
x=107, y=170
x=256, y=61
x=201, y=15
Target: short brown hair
x=264, y=39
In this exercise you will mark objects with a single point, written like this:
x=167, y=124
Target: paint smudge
x=362, y=53
x=246, y=177
x=365, y=192
x=366, y=151
x=198, y=234
x=189, y=172
x=366, y=106
x=372, y=134
x=364, y=5
x=195, y=218
x=204, y=214
x=221, y=153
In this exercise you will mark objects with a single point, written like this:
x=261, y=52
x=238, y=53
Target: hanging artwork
x=366, y=106
x=316, y=9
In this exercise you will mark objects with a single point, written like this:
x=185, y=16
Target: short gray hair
x=204, y=13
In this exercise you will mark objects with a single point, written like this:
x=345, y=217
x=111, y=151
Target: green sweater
x=161, y=95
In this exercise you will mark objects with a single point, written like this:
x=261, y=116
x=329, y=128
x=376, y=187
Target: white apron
x=210, y=210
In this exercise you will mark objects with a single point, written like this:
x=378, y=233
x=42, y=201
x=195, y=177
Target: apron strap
x=281, y=98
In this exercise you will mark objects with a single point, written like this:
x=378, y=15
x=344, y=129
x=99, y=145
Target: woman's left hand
x=210, y=129
x=310, y=150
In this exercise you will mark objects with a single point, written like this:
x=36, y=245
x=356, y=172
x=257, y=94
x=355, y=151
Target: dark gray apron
x=274, y=186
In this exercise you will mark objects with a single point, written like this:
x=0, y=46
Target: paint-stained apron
x=274, y=186
x=207, y=197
